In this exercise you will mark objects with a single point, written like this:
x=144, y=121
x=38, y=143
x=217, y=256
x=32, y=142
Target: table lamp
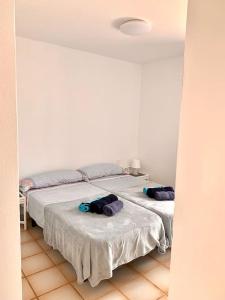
x=135, y=165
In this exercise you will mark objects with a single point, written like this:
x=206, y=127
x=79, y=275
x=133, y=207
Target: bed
x=38, y=199
x=96, y=244
x=131, y=188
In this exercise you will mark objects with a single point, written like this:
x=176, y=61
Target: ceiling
x=92, y=25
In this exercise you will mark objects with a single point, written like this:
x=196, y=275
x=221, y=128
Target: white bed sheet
x=39, y=199
x=96, y=244
x=117, y=183
x=131, y=188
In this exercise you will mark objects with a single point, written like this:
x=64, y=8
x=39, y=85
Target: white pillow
x=100, y=170
x=51, y=178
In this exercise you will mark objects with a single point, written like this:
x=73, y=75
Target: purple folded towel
x=112, y=208
x=161, y=196
x=150, y=192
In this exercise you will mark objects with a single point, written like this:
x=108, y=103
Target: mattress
x=39, y=199
x=96, y=244
x=131, y=188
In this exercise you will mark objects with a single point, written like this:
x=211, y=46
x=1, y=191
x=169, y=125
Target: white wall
x=159, y=118
x=10, y=259
x=77, y=108
x=197, y=269
x=74, y=107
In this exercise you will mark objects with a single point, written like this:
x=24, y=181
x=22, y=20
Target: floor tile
x=140, y=289
x=43, y=245
x=160, y=277
x=36, y=263
x=89, y=293
x=30, y=248
x=55, y=256
x=25, y=236
x=68, y=271
x=123, y=275
x=51, y=284
x=27, y=291
x=36, y=232
x=115, y=295
x=162, y=258
x=46, y=281
x=64, y=293
x=144, y=264
x=167, y=264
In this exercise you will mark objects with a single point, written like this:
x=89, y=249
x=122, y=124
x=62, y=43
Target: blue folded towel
x=97, y=205
x=162, y=196
x=84, y=207
x=112, y=208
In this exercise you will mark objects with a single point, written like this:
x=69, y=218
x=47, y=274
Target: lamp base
x=138, y=174
x=135, y=172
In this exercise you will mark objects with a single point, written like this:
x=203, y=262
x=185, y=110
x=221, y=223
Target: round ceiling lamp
x=135, y=27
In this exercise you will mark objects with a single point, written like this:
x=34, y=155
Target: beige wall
x=199, y=225
x=159, y=118
x=74, y=107
x=10, y=281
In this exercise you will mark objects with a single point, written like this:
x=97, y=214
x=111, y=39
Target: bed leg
x=33, y=223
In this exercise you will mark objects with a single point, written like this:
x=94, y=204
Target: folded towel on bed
x=112, y=208
x=150, y=192
x=84, y=207
x=161, y=196
x=97, y=205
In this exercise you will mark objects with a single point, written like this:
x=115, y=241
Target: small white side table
x=143, y=176
x=23, y=202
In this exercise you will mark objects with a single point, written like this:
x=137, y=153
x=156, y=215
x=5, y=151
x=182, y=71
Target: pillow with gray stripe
x=100, y=170
x=50, y=178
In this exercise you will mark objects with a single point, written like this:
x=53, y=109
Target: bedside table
x=23, y=202
x=141, y=176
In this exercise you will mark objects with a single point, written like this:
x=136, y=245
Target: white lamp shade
x=135, y=164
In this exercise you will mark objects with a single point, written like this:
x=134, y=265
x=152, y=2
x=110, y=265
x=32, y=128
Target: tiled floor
x=47, y=276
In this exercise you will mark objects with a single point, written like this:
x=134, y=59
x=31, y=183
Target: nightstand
x=23, y=202
x=141, y=176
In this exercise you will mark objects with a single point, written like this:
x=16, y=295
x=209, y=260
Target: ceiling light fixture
x=135, y=27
